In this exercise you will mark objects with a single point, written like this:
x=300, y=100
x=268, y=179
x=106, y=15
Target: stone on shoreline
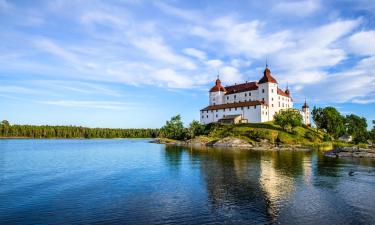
x=354, y=151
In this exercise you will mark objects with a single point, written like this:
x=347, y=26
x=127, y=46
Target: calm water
x=136, y=182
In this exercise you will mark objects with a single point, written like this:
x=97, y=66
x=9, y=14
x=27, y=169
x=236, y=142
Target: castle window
x=241, y=108
x=272, y=105
x=234, y=96
x=248, y=107
x=262, y=99
x=272, y=99
x=245, y=94
x=279, y=104
x=249, y=93
x=227, y=97
x=216, y=110
x=224, y=110
x=255, y=106
x=235, y=108
x=202, y=117
x=262, y=90
x=272, y=90
x=216, y=115
x=266, y=113
x=207, y=116
x=230, y=109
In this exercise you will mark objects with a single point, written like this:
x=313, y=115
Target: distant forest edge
x=31, y=131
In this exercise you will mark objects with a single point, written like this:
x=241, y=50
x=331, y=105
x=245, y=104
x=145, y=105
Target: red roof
x=217, y=87
x=234, y=105
x=267, y=78
x=281, y=92
x=248, y=86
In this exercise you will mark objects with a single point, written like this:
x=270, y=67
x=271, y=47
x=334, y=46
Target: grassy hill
x=256, y=132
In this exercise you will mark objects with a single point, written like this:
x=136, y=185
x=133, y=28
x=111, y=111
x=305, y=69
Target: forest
x=32, y=131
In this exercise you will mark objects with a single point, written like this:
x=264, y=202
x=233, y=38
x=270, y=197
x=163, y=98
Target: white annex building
x=249, y=102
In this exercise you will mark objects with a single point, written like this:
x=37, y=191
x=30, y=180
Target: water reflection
x=262, y=185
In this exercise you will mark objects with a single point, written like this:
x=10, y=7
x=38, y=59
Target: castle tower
x=305, y=114
x=267, y=92
x=216, y=94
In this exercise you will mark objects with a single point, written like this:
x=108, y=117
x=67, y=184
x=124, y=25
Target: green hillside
x=256, y=132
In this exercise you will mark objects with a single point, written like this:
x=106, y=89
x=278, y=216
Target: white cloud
x=155, y=48
x=363, y=43
x=296, y=8
x=214, y=63
x=51, y=47
x=195, y=53
x=16, y=89
x=230, y=75
x=90, y=104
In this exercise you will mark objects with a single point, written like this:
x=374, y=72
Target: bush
x=326, y=137
x=288, y=119
x=311, y=136
x=257, y=135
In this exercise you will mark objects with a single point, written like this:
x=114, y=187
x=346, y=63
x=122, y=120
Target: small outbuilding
x=232, y=119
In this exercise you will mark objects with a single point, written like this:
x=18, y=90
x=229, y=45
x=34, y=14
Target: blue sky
x=137, y=63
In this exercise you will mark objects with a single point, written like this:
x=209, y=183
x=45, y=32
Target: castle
x=249, y=102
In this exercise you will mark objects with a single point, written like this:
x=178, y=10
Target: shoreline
x=235, y=143
x=23, y=138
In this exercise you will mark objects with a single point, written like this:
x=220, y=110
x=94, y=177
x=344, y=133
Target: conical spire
x=287, y=89
x=305, y=105
x=267, y=78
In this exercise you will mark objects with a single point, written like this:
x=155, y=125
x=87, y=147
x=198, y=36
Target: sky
x=135, y=63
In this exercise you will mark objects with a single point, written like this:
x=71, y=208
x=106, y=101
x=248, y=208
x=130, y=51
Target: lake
x=132, y=181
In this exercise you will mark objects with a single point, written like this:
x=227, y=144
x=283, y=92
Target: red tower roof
x=267, y=78
x=218, y=86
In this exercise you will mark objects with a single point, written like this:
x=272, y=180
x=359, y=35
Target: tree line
x=327, y=119
x=31, y=131
x=332, y=122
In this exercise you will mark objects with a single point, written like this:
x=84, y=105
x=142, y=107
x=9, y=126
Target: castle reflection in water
x=262, y=184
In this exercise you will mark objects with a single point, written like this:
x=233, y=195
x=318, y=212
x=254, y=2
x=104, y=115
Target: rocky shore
x=232, y=142
x=355, y=151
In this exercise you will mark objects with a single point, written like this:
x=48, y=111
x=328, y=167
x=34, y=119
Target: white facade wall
x=251, y=113
x=305, y=112
x=216, y=98
x=241, y=96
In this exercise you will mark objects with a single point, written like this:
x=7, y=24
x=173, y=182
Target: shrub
x=311, y=136
x=288, y=119
x=258, y=135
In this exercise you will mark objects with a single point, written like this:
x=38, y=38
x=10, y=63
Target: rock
x=232, y=142
x=351, y=152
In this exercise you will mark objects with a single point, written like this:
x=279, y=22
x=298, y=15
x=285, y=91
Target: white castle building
x=249, y=102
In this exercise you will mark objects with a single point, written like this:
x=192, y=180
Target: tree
x=330, y=120
x=195, y=129
x=356, y=127
x=4, y=125
x=372, y=132
x=174, y=128
x=288, y=119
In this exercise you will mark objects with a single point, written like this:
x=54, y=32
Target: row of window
x=235, y=108
x=282, y=105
